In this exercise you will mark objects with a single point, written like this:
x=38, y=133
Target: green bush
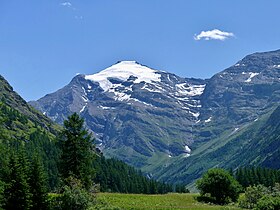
x=252, y=195
x=276, y=190
x=261, y=198
x=219, y=185
x=268, y=203
x=75, y=197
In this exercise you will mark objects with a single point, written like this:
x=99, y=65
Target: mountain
x=244, y=91
x=172, y=128
x=138, y=114
x=12, y=101
x=236, y=105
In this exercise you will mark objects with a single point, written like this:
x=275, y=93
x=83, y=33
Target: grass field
x=171, y=201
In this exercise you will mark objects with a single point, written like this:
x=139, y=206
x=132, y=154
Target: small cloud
x=214, y=34
x=66, y=4
x=75, y=11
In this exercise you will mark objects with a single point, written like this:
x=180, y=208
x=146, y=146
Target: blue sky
x=44, y=43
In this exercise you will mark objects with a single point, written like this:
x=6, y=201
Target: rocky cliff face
x=158, y=121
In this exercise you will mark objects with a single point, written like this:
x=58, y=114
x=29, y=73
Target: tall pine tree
x=38, y=184
x=17, y=192
x=77, y=151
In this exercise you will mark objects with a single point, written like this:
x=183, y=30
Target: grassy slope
x=13, y=100
x=229, y=150
x=171, y=201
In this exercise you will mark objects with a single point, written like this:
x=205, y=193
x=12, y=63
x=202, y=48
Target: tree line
x=249, y=176
x=115, y=176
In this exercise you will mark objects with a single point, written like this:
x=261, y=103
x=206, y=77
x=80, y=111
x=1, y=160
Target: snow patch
x=238, y=64
x=123, y=70
x=196, y=115
x=137, y=100
x=187, y=155
x=208, y=120
x=185, y=108
x=121, y=96
x=157, y=86
x=190, y=90
x=187, y=149
x=252, y=75
x=145, y=87
x=83, y=109
x=195, y=106
x=106, y=107
x=276, y=66
x=168, y=78
x=84, y=90
x=84, y=97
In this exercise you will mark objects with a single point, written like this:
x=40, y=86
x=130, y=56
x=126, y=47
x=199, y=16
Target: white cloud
x=66, y=4
x=214, y=34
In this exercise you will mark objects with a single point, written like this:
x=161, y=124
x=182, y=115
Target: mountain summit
x=124, y=70
x=167, y=125
x=135, y=112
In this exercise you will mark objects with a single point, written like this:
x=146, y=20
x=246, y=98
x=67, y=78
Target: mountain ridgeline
x=175, y=128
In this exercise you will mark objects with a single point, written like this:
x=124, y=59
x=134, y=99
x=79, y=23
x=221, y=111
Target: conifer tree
x=38, y=184
x=17, y=192
x=77, y=151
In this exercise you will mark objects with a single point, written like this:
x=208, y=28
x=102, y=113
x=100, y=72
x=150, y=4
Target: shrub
x=252, y=195
x=219, y=185
x=268, y=203
x=74, y=196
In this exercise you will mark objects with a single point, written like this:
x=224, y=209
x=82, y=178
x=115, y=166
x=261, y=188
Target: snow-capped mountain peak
x=122, y=71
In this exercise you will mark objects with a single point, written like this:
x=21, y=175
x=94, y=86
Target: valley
x=173, y=128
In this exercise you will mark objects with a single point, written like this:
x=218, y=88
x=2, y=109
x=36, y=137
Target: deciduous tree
x=219, y=185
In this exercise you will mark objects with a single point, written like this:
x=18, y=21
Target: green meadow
x=172, y=201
